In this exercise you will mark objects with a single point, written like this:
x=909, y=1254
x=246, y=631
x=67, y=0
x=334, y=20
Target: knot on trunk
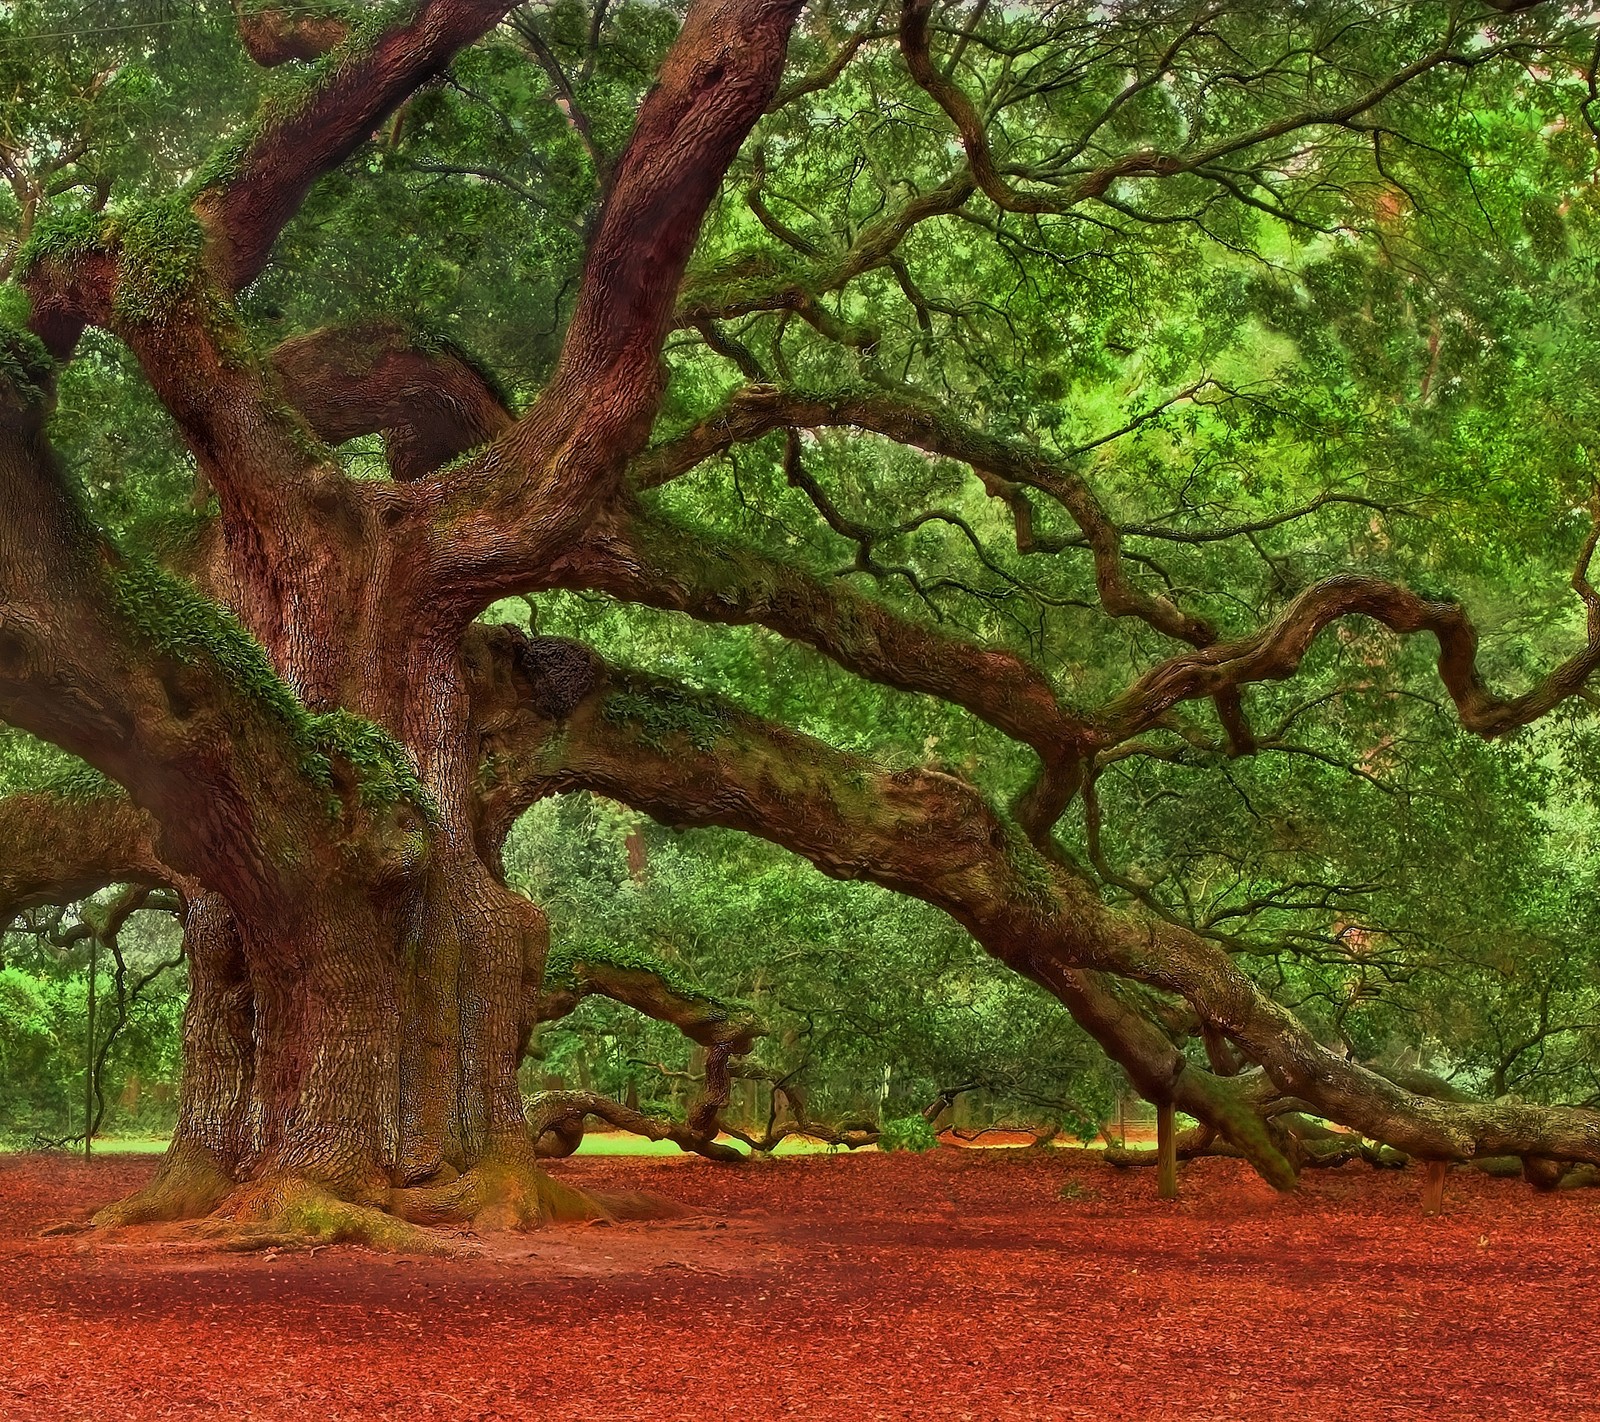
x=561, y=674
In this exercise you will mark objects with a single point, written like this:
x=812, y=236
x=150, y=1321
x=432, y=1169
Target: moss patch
x=1029, y=868
x=380, y=762
x=161, y=258
x=658, y=713
x=190, y=628
x=561, y=968
x=63, y=237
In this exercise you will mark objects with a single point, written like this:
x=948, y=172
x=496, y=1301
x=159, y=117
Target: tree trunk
x=360, y=1045
x=1166, y=1151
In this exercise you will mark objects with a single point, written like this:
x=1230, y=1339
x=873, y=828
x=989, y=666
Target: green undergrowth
x=913, y=1133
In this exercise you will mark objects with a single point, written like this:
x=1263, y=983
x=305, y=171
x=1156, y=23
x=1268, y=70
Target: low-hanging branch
x=60, y=847
x=649, y=988
x=691, y=760
x=724, y=1029
x=557, y=1113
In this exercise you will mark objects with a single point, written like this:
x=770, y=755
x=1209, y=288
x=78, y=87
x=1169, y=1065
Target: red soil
x=959, y=1284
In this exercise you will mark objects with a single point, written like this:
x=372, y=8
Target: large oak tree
x=1020, y=271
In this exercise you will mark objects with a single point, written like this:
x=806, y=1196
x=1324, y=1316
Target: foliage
x=43, y=1043
x=911, y=1133
x=854, y=985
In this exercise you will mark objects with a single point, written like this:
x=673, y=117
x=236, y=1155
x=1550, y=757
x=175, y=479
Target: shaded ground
x=957, y=1284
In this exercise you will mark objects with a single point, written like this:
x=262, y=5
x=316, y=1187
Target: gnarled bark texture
x=359, y=968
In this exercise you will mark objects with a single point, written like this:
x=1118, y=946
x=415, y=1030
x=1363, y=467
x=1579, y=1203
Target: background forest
x=1369, y=347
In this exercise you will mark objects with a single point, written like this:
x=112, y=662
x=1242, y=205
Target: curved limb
x=931, y=835
x=552, y=1111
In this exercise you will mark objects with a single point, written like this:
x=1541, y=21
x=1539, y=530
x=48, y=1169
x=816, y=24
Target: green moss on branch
x=381, y=764
x=289, y=91
x=189, y=628
x=64, y=237
x=658, y=713
x=161, y=259
x=564, y=969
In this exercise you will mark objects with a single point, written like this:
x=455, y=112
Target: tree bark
x=385, y=966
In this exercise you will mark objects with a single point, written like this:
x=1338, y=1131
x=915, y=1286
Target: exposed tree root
x=512, y=1193
x=504, y=1191
x=495, y=1195
x=190, y=1182
x=287, y=1212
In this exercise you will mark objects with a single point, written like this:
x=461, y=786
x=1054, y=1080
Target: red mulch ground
x=957, y=1284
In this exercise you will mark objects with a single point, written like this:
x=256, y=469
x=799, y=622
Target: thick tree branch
x=640, y=558
x=428, y=399
x=689, y=760
x=275, y=35
x=149, y=683
x=1215, y=670
x=504, y=515
x=360, y=81
x=244, y=197
x=57, y=848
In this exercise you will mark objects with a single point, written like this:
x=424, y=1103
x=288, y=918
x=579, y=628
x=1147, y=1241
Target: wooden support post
x=1433, y=1173
x=1166, y=1151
